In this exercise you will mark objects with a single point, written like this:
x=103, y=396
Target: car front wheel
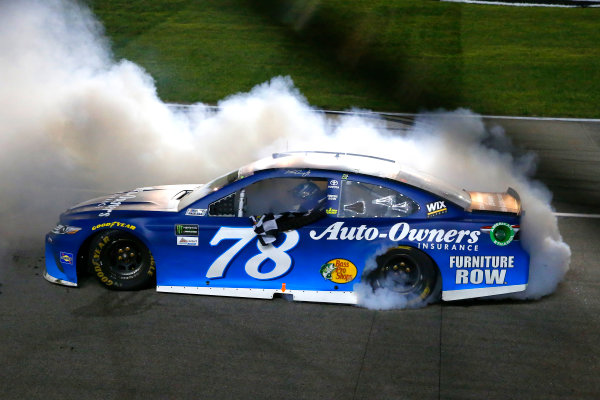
x=120, y=261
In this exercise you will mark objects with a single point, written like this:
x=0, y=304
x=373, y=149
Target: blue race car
x=312, y=225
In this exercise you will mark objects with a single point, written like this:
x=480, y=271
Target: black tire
x=120, y=261
x=408, y=272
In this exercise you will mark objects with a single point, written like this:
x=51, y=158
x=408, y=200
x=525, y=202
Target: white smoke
x=76, y=123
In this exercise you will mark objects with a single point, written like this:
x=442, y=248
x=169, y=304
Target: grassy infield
x=385, y=55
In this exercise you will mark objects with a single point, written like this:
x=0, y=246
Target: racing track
x=89, y=343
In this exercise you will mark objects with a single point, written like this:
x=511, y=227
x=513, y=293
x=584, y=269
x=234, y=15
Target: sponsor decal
x=482, y=261
x=331, y=211
x=344, y=177
x=253, y=267
x=332, y=197
x=298, y=172
x=490, y=270
x=187, y=241
x=115, y=201
x=333, y=184
x=446, y=246
x=502, y=233
x=113, y=224
x=442, y=239
x=66, y=258
x=96, y=262
x=186, y=230
x=339, y=270
x=488, y=229
x=196, y=212
x=436, y=208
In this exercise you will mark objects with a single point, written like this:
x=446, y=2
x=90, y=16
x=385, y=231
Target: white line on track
x=576, y=215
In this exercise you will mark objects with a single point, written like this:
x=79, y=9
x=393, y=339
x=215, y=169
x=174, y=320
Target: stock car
x=309, y=225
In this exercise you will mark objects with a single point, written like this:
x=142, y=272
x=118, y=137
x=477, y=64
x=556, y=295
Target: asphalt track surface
x=90, y=343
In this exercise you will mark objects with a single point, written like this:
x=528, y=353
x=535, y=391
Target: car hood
x=156, y=198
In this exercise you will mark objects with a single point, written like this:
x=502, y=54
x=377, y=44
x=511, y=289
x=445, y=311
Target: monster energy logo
x=186, y=230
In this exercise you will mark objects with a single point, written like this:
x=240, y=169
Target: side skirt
x=298, y=295
x=449, y=295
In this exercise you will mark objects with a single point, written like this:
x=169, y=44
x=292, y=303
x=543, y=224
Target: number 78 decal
x=282, y=260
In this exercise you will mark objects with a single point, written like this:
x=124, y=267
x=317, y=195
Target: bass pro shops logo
x=339, y=270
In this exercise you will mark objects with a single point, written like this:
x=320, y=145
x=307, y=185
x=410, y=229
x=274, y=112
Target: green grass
x=385, y=55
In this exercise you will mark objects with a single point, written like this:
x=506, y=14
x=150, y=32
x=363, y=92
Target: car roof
x=360, y=164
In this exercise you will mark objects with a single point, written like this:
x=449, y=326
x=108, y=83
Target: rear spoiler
x=508, y=202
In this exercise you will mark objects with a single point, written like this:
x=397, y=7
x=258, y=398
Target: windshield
x=210, y=187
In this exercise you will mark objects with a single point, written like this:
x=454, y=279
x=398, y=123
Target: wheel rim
x=124, y=257
x=401, y=274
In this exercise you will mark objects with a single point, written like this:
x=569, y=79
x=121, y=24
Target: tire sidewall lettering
x=105, y=274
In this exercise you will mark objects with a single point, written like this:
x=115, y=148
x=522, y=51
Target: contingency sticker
x=187, y=241
x=66, y=258
x=186, y=230
x=502, y=233
x=196, y=212
x=436, y=208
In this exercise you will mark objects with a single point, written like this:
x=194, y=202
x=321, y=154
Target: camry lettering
x=113, y=202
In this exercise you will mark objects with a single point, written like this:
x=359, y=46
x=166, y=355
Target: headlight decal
x=65, y=230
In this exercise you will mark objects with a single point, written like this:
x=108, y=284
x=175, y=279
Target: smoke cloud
x=75, y=123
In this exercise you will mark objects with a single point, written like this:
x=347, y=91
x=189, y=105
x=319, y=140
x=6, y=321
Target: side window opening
x=279, y=195
x=365, y=200
x=224, y=207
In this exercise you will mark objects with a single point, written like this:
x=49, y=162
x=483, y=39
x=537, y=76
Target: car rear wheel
x=408, y=272
x=121, y=261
